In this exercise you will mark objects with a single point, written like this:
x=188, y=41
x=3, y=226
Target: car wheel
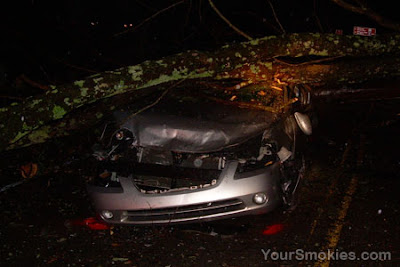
x=292, y=172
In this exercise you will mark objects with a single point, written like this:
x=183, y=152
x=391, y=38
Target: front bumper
x=231, y=196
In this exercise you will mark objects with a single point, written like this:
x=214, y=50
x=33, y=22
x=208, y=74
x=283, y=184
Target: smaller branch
x=276, y=88
x=228, y=22
x=316, y=17
x=363, y=10
x=76, y=67
x=242, y=104
x=289, y=102
x=307, y=62
x=151, y=105
x=276, y=17
x=33, y=83
x=148, y=19
x=155, y=102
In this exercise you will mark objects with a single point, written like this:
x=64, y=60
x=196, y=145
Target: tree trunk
x=341, y=59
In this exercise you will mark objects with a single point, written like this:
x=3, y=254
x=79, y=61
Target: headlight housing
x=106, y=179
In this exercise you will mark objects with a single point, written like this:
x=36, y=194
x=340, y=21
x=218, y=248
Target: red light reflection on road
x=92, y=223
x=273, y=229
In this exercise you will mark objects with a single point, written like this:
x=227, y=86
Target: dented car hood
x=195, y=127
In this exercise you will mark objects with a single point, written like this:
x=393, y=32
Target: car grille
x=184, y=213
x=157, y=179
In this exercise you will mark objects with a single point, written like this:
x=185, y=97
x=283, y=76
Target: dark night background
x=55, y=42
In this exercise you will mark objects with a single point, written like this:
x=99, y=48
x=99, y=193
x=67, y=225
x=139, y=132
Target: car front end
x=194, y=161
x=229, y=193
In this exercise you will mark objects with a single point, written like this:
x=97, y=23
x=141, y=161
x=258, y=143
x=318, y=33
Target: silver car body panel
x=231, y=196
x=195, y=127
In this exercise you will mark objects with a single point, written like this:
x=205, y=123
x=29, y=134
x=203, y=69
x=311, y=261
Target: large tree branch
x=252, y=61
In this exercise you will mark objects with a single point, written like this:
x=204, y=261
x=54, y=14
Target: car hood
x=195, y=126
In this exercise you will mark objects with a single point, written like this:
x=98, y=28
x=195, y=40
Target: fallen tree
x=274, y=61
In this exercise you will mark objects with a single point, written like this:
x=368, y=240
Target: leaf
x=120, y=259
x=29, y=170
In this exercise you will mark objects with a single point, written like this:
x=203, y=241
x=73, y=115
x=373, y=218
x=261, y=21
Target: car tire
x=292, y=172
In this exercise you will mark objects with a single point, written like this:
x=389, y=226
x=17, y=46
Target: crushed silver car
x=191, y=159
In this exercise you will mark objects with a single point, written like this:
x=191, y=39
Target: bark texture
x=351, y=59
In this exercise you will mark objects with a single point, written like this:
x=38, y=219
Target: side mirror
x=304, y=123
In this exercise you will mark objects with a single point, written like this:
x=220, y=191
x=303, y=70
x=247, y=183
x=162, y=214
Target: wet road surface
x=349, y=205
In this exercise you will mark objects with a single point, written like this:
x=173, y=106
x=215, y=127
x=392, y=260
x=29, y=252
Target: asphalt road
x=349, y=207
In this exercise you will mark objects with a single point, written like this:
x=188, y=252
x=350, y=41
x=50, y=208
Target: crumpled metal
x=194, y=127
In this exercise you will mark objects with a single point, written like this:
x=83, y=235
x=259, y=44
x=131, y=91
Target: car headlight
x=260, y=198
x=123, y=135
x=120, y=135
x=106, y=214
